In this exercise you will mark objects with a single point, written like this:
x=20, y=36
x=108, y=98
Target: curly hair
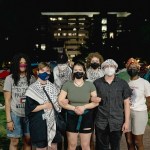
x=91, y=55
x=15, y=69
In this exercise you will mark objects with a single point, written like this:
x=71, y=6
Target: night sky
x=20, y=18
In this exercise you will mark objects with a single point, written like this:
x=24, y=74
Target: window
x=104, y=28
x=111, y=35
x=104, y=21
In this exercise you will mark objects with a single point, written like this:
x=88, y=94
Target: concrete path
x=146, y=140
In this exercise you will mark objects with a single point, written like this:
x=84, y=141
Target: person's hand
x=47, y=105
x=125, y=127
x=79, y=110
x=10, y=126
x=96, y=99
x=65, y=101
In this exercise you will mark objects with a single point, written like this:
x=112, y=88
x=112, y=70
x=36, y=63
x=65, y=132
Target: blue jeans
x=106, y=139
x=21, y=125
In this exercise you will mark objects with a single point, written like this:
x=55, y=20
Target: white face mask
x=109, y=71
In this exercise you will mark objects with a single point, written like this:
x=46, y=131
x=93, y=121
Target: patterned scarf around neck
x=35, y=91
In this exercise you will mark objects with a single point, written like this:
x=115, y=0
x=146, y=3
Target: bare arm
x=46, y=105
x=80, y=109
x=7, y=97
x=127, y=115
x=92, y=104
x=62, y=98
x=148, y=103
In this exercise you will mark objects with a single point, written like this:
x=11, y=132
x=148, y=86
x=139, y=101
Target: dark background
x=20, y=18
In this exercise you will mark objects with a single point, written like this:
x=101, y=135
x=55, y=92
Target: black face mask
x=132, y=72
x=95, y=65
x=78, y=75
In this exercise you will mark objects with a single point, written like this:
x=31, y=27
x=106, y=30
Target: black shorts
x=86, y=122
x=44, y=143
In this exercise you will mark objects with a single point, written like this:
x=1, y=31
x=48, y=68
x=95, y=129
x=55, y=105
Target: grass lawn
x=4, y=141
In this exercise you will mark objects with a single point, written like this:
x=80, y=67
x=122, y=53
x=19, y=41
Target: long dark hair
x=15, y=69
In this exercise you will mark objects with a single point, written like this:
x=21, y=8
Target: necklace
x=78, y=85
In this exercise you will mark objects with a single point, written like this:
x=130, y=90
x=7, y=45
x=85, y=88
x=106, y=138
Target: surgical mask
x=62, y=66
x=78, y=75
x=95, y=65
x=44, y=76
x=109, y=71
x=132, y=72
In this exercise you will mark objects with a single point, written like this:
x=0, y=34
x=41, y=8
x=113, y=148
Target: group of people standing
x=94, y=101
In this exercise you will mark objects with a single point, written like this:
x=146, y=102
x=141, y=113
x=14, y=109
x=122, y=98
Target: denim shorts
x=21, y=125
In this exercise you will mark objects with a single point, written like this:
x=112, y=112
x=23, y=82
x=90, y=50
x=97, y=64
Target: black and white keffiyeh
x=35, y=91
x=61, y=76
x=92, y=75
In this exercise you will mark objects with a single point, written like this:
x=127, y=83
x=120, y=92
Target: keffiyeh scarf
x=35, y=91
x=93, y=75
x=62, y=76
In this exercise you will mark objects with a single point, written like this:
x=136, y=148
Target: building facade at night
x=72, y=30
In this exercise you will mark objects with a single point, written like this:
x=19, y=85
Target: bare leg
x=72, y=140
x=85, y=140
x=45, y=148
x=27, y=143
x=139, y=142
x=13, y=144
x=130, y=141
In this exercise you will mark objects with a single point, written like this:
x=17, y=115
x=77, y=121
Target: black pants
x=106, y=139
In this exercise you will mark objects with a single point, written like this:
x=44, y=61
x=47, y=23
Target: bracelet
x=9, y=121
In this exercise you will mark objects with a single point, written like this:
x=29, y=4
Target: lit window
x=81, y=19
x=111, y=35
x=43, y=47
x=72, y=19
x=81, y=34
x=104, y=35
x=71, y=24
x=60, y=18
x=104, y=28
x=119, y=31
x=81, y=28
x=64, y=34
x=74, y=34
x=59, y=29
x=58, y=34
x=81, y=24
x=53, y=19
x=55, y=34
x=72, y=55
x=36, y=45
x=103, y=42
x=74, y=29
x=70, y=34
x=104, y=21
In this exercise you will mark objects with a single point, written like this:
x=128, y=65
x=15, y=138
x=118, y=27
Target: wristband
x=9, y=121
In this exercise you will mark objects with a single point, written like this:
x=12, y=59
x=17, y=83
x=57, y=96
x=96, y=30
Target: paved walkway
x=146, y=140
